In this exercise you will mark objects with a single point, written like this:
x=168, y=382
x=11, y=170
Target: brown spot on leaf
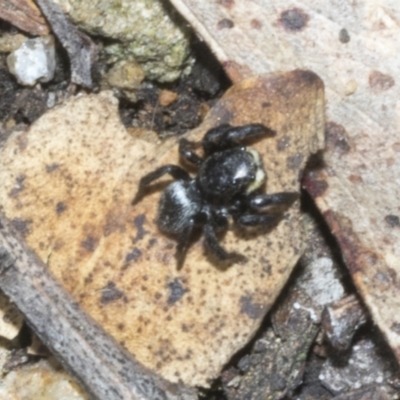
x=152, y=242
x=395, y=327
x=392, y=220
x=134, y=255
x=158, y=296
x=185, y=328
x=21, y=225
x=355, y=179
x=89, y=278
x=225, y=23
x=60, y=207
x=336, y=138
x=256, y=24
x=177, y=290
x=294, y=162
x=140, y=231
x=294, y=20
x=226, y=3
x=349, y=243
x=390, y=161
x=396, y=146
x=110, y=293
x=380, y=82
x=90, y=243
x=299, y=78
x=385, y=278
x=344, y=36
x=235, y=72
x=52, y=167
x=357, y=257
x=114, y=222
x=19, y=186
x=283, y=143
x=22, y=142
x=252, y=310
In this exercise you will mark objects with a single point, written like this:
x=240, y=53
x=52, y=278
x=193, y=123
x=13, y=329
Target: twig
x=103, y=368
x=77, y=45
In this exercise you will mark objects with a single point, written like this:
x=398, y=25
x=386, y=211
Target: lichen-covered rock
x=144, y=30
x=9, y=42
x=125, y=75
x=43, y=380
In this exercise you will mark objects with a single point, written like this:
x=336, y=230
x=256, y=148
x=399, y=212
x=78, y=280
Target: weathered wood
x=25, y=15
x=103, y=368
x=77, y=45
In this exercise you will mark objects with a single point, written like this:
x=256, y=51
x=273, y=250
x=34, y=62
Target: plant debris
x=73, y=207
x=354, y=48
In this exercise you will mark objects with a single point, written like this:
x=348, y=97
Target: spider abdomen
x=178, y=205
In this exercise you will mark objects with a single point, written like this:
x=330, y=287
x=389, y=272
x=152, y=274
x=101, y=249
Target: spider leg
x=175, y=171
x=264, y=202
x=226, y=136
x=187, y=153
x=267, y=220
x=183, y=243
x=211, y=241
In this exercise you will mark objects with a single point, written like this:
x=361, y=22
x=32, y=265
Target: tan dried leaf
x=68, y=184
x=354, y=48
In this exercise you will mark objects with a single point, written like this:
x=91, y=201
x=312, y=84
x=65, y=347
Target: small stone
x=9, y=43
x=9, y=124
x=33, y=61
x=146, y=31
x=167, y=97
x=125, y=75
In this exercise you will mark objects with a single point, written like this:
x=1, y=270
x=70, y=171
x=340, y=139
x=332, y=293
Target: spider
x=226, y=187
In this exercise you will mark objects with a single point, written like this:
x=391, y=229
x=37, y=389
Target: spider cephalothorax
x=226, y=186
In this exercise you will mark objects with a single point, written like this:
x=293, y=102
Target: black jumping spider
x=228, y=178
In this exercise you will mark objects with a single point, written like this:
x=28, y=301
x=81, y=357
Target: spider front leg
x=266, y=202
x=186, y=152
x=175, y=171
x=183, y=243
x=226, y=136
x=266, y=220
x=217, y=222
x=271, y=205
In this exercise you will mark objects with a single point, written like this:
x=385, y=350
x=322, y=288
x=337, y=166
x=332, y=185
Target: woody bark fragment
x=78, y=46
x=25, y=15
x=104, y=369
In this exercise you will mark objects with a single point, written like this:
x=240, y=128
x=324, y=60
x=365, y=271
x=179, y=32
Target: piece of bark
x=78, y=46
x=70, y=193
x=354, y=48
x=104, y=369
x=341, y=320
x=25, y=15
x=274, y=367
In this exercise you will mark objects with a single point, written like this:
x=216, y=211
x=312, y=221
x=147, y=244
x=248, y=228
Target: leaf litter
x=354, y=48
x=68, y=183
